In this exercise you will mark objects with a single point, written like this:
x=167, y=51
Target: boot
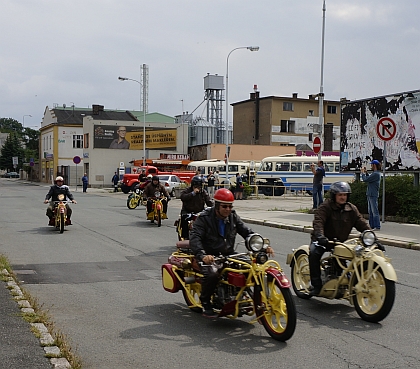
x=208, y=311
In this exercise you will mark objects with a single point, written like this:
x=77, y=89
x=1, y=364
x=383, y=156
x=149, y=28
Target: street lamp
x=144, y=114
x=250, y=48
x=321, y=88
x=23, y=120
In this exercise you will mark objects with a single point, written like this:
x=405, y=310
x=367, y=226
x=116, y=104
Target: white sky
x=64, y=52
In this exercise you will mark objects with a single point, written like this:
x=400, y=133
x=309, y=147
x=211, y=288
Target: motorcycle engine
x=330, y=270
x=225, y=294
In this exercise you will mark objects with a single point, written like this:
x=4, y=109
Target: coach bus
x=277, y=174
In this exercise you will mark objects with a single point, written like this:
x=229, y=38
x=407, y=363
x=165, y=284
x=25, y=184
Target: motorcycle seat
x=184, y=244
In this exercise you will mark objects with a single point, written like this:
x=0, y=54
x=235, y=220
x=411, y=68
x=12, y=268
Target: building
x=283, y=121
x=74, y=141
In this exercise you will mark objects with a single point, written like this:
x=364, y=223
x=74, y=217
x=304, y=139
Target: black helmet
x=155, y=178
x=340, y=187
x=196, y=181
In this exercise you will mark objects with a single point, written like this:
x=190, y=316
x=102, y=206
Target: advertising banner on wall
x=131, y=138
x=368, y=125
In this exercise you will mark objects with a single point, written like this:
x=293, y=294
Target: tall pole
x=250, y=48
x=23, y=119
x=321, y=88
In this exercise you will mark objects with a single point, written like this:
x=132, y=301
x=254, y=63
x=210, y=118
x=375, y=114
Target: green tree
x=12, y=147
x=10, y=125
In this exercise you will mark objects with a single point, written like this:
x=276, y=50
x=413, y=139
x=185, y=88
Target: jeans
x=85, y=186
x=373, y=210
x=317, y=195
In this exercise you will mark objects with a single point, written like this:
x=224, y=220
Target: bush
x=402, y=198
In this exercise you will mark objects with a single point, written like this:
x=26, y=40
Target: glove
x=322, y=240
x=169, y=198
x=380, y=246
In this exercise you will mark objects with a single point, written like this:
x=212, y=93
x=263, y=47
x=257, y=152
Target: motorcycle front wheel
x=191, y=293
x=132, y=203
x=279, y=316
x=301, y=278
x=159, y=218
x=376, y=298
x=62, y=221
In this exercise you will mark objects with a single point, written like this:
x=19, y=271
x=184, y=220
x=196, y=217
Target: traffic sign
x=386, y=129
x=316, y=145
x=76, y=160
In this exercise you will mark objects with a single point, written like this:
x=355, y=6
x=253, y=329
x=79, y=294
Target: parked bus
x=278, y=174
x=235, y=166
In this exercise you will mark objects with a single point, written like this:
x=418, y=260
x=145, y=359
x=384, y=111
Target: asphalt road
x=100, y=281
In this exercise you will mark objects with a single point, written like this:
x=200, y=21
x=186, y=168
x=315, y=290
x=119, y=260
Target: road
x=100, y=281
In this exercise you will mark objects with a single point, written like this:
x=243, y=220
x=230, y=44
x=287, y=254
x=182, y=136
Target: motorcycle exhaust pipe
x=189, y=280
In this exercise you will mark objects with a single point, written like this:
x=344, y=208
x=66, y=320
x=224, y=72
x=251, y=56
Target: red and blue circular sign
x=77, y=160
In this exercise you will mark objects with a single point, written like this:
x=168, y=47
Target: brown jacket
x=150, y=189
x=336, y=222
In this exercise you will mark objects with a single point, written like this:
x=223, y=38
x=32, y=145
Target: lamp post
x=321, y=88
x=144, y=114
x=250, y=48
x=23, y=120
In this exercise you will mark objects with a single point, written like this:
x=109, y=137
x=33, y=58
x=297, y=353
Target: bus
x=277, y=174
x=242, y=167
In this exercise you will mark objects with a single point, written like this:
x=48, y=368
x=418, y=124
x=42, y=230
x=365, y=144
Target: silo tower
x=213, y=87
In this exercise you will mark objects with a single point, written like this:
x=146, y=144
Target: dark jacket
x=335, y=222
x=205, y=238
x=56, y=190
x=115, y=179
x=150, y=189
x=194, y=202
x=373, y=180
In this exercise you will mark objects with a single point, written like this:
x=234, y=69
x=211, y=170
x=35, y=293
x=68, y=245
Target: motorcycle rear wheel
x=159, y=218
x=301, y=278
x=376, y=303
x=279, y=318
x=62, y=221
x=192, y=294
x=132, y=202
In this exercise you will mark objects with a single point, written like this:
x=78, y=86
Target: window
x=311, y=113
x=331, y=109
x=86, y=141
x=282, y=166
x=267, y=166
x=287, y=126
x=287, y=106
x=77, y=141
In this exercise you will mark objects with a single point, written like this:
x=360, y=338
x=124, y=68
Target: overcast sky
x=65, y=52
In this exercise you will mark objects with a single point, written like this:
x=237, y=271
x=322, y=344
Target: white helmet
x=149, y=176
x=59, y=178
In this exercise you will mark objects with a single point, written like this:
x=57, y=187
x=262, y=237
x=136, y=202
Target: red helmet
x=224, y=195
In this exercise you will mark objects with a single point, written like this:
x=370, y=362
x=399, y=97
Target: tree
x=10, y=125
x=12, y=147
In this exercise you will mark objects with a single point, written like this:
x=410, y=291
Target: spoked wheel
x=279, y=315
x=192, y=294
x=159, y=218
x=62, y=221
x=301, y=278
x=132, y=202
x=374, y=295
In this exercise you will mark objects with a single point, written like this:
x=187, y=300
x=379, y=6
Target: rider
x=58, y=188
x=142, y=176
x=149, y=193
x=194, y=199
x=214, y=233
x=334, y=219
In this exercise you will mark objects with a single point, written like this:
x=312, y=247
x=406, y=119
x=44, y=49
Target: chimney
x=96, y=109
x=295, y=95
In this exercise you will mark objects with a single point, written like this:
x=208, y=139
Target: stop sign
x=317, y=145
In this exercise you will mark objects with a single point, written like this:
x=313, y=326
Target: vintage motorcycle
x=356, y=270
x=59, y=219
x=190, y=219
x=250, y=284
x=135, y=198
x=157, y=213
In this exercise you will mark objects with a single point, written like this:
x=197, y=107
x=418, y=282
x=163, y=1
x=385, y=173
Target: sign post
x=316, y=147
x=386, y=130
x=76, y=160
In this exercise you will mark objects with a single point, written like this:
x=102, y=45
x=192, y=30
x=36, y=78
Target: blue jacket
x=373, y=180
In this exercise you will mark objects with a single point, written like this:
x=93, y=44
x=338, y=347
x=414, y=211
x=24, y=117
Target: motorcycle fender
x=170, y=282
x=280, y=276
x=159, y=207
x=291, y=256
x=387, y=268
x=62, y=210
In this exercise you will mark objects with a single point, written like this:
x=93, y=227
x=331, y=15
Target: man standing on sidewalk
x=372, y=193
x=318, y=181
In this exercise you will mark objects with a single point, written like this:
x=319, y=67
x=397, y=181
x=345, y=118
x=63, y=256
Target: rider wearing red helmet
x=213, y=234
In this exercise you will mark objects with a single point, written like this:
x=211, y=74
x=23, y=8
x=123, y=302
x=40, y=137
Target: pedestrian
x=115, y=180
x=373, y=181
x=85, y=181
x=239, y=189
x=211, y=179
x=317, y=183
x=216, y=179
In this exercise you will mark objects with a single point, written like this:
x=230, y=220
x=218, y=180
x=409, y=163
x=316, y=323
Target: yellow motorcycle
x=157, y=214
x=189, y=220
x=60, y=213
x=356, y=270
x=250, y=284
x=135, y=198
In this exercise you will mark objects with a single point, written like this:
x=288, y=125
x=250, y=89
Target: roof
x=76, y=115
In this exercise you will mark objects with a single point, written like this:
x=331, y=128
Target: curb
x=307, y=229
x=39, y=329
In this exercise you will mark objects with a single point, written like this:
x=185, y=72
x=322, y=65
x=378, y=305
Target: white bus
x=278, y=174
x=235, y=166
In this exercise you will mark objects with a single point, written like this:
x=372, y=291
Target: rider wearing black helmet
x=333, y=219
x=149, y=192
x=194, y=199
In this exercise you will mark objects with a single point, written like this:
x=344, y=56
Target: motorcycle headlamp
x=60, y=197
x=157, y=194
x=261, y=258
x=256, y=242
x=368, y=238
